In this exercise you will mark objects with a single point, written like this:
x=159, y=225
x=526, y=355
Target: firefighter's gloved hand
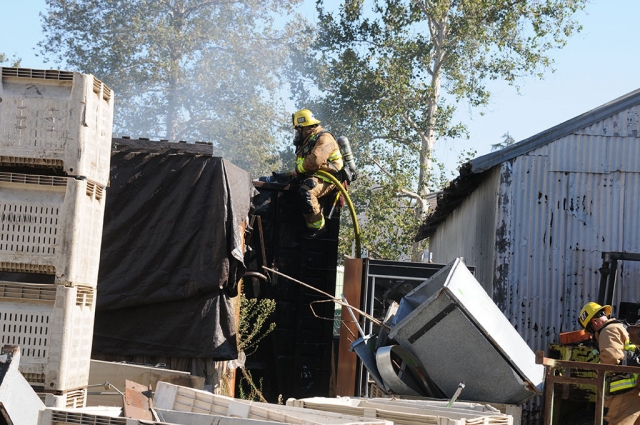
x=277, y=178
x=281, y=177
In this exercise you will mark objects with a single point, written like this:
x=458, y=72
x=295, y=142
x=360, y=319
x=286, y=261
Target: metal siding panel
x=624, y=154
x=534, y=251
x=594, y=154
x=623, y=124
x=560, y=223
x=579, y=153
x=628, y=284
x=469, y=232
x=551, y=229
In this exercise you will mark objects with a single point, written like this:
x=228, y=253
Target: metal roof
x=472, y=173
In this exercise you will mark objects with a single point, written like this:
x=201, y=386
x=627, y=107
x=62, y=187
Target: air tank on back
x=347, y=156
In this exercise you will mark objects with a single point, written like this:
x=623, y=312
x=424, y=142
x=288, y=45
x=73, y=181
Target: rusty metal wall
x=558, y=208
x=469, y=232
x=563, y=206
x=623, y=124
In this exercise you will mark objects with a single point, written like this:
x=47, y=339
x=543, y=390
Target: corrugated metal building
x=535, y=217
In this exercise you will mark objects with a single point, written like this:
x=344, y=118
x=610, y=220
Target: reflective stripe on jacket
x=613, y=344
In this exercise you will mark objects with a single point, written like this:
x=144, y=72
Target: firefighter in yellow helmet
x=623, y=395
x=316, y=149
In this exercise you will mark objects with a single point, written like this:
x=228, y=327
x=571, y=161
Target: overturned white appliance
x=460, y=335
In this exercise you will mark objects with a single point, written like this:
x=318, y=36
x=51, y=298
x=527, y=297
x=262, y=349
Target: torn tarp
x=171, y=253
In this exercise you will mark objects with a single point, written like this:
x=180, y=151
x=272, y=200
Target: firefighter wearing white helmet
x=623, y=396
x=316, y=149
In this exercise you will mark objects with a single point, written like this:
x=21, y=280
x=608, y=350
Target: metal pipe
x=353, y=316
x=456, y=394
x=334, y=299
x=255, y=274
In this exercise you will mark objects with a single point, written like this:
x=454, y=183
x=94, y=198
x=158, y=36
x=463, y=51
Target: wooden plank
x=548, y=396
x=347, y=360
x=161, y=146
x=137, y=403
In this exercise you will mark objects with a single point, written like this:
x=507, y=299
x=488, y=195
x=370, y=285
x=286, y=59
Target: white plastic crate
x=174, y=397
x=51, y=225
x=56, y=119
x=71, y=335
x=53, y=325
x=25, y=318
x=408, y=413
x=75, y=399
x=57, y=416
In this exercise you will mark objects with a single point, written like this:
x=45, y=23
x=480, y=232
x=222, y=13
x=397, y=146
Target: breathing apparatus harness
x=348, y=172
x=620, y=383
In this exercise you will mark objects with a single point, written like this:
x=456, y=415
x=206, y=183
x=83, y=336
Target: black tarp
x=171, y=253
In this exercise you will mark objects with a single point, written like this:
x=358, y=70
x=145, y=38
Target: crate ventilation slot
x=48, y=74
x=31, y=162
x=35, y=292
x=85, y=419
x=84, y=296
x=26, y=268
x=33, y=179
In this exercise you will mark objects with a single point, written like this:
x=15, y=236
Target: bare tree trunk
x=438, y=31
x=172, y=109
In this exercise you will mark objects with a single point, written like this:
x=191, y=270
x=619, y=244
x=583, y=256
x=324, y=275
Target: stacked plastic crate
x=55, y=145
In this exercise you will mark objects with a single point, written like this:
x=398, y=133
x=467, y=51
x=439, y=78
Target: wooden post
x=347, y=360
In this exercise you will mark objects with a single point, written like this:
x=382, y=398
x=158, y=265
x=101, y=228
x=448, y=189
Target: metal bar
x=549, y=382
x=331, y=297
x=599, y=398
x=262, y=249
x=568, y=364
x=599, y=382
x=604, y=274
x=353, y=316
x=612, y=282
x=573, y=380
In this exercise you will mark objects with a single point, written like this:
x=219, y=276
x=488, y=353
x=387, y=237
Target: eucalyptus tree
x=398, y=69
x=192, y=70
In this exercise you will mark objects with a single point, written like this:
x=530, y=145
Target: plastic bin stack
x=55, y=146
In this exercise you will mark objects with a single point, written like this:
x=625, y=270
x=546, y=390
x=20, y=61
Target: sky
x=598, y=65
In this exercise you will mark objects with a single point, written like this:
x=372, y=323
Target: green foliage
x=183, y=69
x=253, y=326
x=507, y=140
x=15, y=60
x=248, y=390
x=390, y=73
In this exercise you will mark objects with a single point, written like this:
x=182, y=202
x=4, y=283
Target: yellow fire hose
x=354, y=219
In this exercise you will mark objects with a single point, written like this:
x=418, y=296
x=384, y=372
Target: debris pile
x=173, y=404
x=446, y=338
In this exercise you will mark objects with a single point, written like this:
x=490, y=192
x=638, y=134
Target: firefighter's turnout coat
x=624, y=404
x=319, y=151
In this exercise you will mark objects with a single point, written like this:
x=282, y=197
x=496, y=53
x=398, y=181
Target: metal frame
x=554, y=370
x=608, y=273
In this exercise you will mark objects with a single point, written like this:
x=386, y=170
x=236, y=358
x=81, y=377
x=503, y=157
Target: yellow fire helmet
x=589, y=311
x=304, y=118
